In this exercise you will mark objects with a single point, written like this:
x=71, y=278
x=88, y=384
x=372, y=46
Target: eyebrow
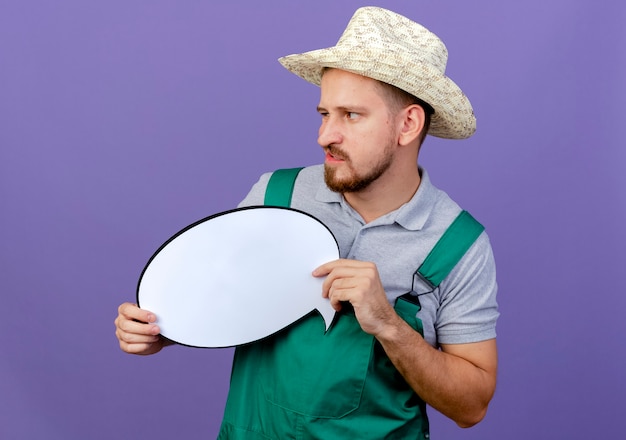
x=344, y=108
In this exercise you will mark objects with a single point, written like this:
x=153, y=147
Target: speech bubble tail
x=332, y=323
x=328, y=313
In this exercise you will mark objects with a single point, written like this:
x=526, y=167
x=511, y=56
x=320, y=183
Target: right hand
x=136, y=331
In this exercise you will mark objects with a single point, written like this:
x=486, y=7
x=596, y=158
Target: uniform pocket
x=300, y=365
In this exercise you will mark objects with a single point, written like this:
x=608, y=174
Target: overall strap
x=450, y=248
x=280, y=187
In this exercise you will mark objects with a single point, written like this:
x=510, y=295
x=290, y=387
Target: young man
x=389, y=353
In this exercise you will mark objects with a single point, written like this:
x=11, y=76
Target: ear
x=412, y=124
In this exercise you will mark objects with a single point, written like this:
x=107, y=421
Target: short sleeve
x=468, y=308
x=256, y=196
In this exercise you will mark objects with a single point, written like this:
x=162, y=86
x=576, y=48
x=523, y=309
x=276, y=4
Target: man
x=382, y=89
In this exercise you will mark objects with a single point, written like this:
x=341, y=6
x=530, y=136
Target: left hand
x=357, y=282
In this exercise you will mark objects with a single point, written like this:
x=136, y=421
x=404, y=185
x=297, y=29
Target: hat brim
x=453, y=118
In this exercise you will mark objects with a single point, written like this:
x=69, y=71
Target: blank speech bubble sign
x=238, y=276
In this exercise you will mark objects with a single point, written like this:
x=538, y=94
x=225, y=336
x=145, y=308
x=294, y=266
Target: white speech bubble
x=238, y=276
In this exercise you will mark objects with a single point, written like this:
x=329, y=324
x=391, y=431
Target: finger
x=336, y=275
x=136, y=327
x=326, y=268
x=132, y=311
x=145, y=348
x=336, y=304
x=343, y=290
x=135, y=338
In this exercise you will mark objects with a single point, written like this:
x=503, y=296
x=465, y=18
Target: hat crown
x=373, y=27
x=387, y=47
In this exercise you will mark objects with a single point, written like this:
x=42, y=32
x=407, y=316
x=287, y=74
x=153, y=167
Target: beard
x=356, y=181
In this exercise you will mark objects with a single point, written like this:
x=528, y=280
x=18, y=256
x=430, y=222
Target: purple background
x=123, y=121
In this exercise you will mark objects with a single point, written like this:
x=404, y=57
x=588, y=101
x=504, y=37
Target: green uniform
x=305, y=383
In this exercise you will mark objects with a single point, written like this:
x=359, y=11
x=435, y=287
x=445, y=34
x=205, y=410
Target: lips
x=333, y=154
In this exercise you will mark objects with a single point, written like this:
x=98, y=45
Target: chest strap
x=280, y=187
x=450, y=248
x=442, y=258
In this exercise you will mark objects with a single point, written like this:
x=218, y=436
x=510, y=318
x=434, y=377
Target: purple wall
x=122, y=122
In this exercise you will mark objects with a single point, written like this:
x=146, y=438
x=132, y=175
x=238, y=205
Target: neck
x=386, y=194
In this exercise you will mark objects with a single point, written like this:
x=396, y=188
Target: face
x=358, y=133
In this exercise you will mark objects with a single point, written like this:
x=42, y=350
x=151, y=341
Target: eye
x=353, y=115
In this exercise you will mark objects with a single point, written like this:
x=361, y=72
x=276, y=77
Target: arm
x=458, y=381
x=136, y=331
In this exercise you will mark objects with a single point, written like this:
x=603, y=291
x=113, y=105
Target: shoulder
x=469, y=308
x=309, y=180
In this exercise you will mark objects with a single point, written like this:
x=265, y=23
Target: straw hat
x=388, y=47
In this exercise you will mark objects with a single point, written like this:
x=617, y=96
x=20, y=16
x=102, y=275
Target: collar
x=411, y=216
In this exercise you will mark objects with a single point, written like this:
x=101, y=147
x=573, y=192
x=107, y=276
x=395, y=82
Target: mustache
x=336, y=152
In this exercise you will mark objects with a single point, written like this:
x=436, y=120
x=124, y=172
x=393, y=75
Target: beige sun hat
x=388, y=47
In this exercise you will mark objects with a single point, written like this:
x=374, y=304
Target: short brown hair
x=397, y=99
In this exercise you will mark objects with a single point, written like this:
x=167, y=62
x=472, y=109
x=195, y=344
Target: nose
x=329, y=132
